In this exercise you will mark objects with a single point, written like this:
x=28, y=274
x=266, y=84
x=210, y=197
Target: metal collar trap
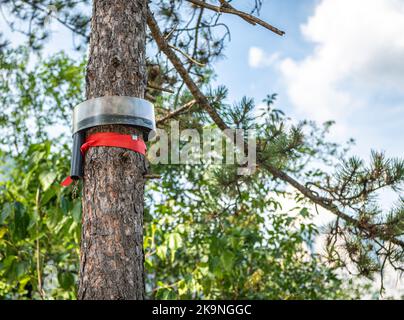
x=95, y=112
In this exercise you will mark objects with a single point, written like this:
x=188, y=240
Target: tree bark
x=111, y=258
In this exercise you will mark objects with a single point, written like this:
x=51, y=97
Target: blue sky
x=339, y=60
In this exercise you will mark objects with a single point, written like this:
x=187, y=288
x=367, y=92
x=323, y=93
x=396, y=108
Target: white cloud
x=358, y=53
x=257, y=58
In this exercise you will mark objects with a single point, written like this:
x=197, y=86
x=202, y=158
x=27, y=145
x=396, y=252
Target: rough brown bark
x=111, y=259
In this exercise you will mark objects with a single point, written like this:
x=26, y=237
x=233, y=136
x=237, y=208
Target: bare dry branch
x=148, y=96
x=246, y=16
x=173, y=114
x=186, y=55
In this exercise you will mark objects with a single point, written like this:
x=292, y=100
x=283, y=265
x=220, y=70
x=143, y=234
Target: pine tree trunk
x=111, y=259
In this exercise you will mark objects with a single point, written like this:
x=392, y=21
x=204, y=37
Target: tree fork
x=111, y=258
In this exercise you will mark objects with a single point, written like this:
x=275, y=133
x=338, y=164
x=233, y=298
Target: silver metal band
x=114, y=110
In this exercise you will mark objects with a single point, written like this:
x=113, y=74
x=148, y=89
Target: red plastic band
x=110, y=139
x=67, y=182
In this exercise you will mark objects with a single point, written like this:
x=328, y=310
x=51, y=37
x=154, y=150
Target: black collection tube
x=76, y=164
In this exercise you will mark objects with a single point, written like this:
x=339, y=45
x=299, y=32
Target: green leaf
x=20, y=222
x=227, y=260
x=7, y=209
x=8, y=261
x=46, y=179
x=47, y=196
x=64, y=205
x=76, y=212
x=37, y=157
x=165, y=294
x=161, y=252
x=65, y=279
x=305, y=213
x=174, y=241
x=20, y=268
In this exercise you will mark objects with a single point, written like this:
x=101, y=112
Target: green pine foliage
x=209, y=233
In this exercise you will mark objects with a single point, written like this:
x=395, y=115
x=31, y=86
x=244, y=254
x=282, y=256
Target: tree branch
x=173, y=114
x=186, y=55
x=158, y=88
x=229, y=9
x=64, y=23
